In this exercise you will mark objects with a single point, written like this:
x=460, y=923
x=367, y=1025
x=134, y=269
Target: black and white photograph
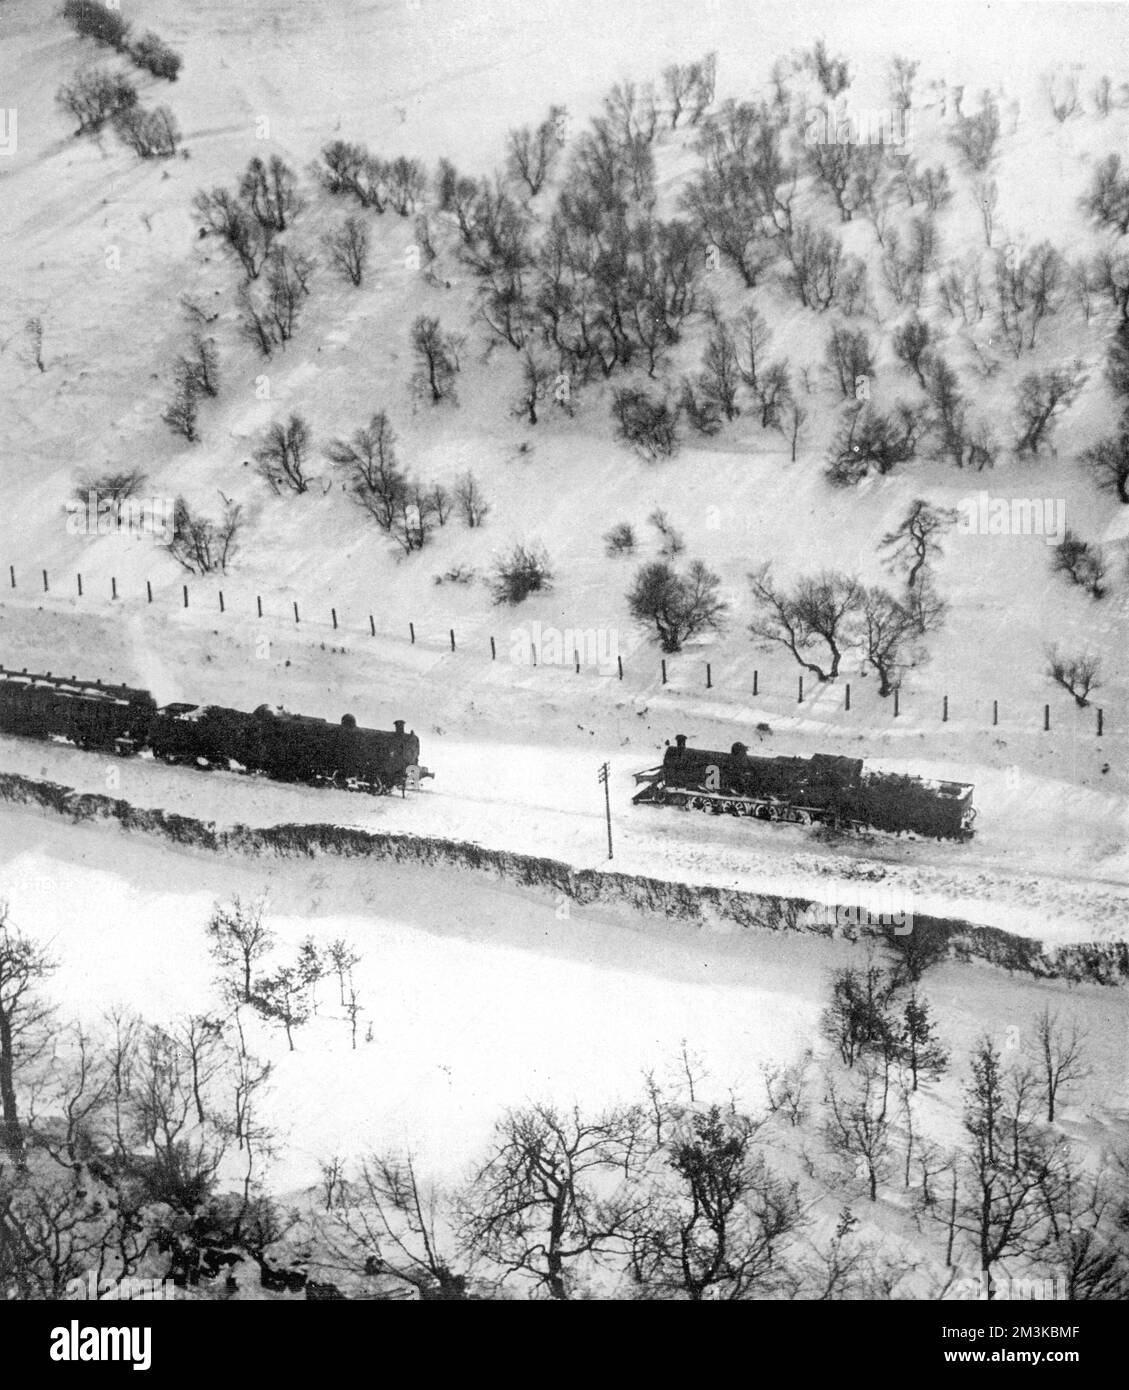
x=564, y=681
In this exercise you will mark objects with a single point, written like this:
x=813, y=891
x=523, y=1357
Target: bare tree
x=24, y=965
x=1060, y=1056
x=536, y=378
x=1077, y=674
x=150, y=134
x=255, y=323
x=288, y=283
x=720, y=377
x=348, y=246
x=859, y=1123
x=857, y=1017
x=342, y=958
x=239, y=940
x=986, y=195
x=203, y=364
x=821, y=608
x=281, y=997
x=899, y=82
x=1081, y=563
x=1108, y=461
x=435, y=359
x=1028, y=289
x=248, y=240
x=183, y=406
x=1107, y=199
x=917, y=1041
x=539, y=1205
x=816, y=257
x=269, y=191
x=200, y=544
x=33, y=328
x=677, y=606
x=403, y=1225
x=472, y=506
x=911, y=343
x=281, y=455
x=719, y=1226
x=887, y=627
x=850, y=358
x=976, y=136
x=916, y=542
x=871, y=440
x=95, y=96
x=374, y=478
x=648, y=422
x=532, y=152
x=1006, y=1168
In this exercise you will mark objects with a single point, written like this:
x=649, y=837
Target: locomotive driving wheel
x=376, y=786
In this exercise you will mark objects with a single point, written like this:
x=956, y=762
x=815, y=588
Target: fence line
x=708, y=682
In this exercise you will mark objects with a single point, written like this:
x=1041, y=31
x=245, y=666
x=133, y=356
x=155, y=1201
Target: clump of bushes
x=524, y=571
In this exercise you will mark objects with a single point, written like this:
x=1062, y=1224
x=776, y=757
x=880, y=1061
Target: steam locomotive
x=822, y=789
x=287, y=747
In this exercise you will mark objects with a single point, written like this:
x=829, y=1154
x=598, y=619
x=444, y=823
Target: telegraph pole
x=603, y=777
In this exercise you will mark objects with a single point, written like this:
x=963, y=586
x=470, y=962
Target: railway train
x=807, y=791
x=287, y=747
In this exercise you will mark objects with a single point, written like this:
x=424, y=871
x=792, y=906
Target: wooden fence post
x=493, y=651
x=452, y=631
x=847, y=705
x=221, y=601
x=664, y=669
x=333, y=612
x=800, y=700
x=995, y=712
x=756, y=677
x=113, y=587
x=79, y=578
x=1099, y=723
x=149, y=590
x=412, y=630
x=12, y=575
x=296, y=618
x=709, y=677
x=1046, y=719
x=619, y=663
x=576, y=660
x=895, y=702
x=372, y=624
x=259, y=603
x=945, y=709
x=185, y=588
x=44, y=581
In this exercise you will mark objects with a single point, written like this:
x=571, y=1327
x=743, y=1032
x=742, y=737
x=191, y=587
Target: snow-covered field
x=479, y=996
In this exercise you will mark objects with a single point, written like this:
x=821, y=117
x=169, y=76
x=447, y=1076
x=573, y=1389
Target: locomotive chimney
x=399, y=726
x=680, y=740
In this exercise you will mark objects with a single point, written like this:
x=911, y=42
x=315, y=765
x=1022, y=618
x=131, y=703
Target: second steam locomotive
x=287, y=747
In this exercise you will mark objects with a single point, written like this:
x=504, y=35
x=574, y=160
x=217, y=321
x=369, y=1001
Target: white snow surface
x=479, y=995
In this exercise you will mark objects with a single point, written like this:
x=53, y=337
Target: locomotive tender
x=807, y=791
x=287, y=747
